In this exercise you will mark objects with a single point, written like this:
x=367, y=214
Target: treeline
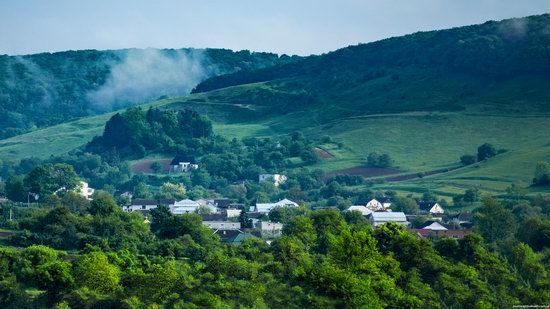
x=134, y=132
x=325, y=259
x=493, y=49
x=50, y=88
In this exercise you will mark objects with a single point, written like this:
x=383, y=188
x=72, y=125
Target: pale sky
x=281, y=26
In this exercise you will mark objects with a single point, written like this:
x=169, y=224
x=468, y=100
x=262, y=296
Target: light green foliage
x=171, y=190
x=95, y=272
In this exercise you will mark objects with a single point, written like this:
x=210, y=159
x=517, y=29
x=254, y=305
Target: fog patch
x=514, y=29
x=145, y=75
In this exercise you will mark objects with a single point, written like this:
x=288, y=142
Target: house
x=463, y=219
x=434, y=226
x=222, y=203
x=362, y=209
x=182, y=164
x=84, y=190
x=374, y=205
x=430, y=207
x=184, y=207
x=276, y=179
x=233, y=212
x=146, y=205
x=227, y=235
x=379, y=218
x=224, y=225
x=436, y=234
x=267, y=207
x=269, y=229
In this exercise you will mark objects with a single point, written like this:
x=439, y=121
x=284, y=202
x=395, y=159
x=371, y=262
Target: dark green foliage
x=486, y=151
x=376, y=160
x=542, y=174
x=50, y=88
x=134, y=132
x=468, y=159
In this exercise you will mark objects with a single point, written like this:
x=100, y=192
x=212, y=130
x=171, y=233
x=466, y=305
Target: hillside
x=425, y=99
x=50, y=88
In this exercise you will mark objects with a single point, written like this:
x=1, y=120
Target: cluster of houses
x=222, y=216
x=440, y=225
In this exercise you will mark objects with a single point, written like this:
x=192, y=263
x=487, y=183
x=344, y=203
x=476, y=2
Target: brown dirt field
x=419, y=175
x=323, y=153
x=365, y=171
x=144, y=166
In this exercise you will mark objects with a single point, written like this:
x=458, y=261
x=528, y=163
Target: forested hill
x=49, y=88
x=494, y=49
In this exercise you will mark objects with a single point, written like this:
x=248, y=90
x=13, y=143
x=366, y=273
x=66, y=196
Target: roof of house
x=227, y=235
x=186, y=202
x=222, y=202
x=434, y=226
x=215, y=217
x=442, y=233
x=362, y=209
x=242, y=237
x=465, y=216
x=286, y=202
x=388, y=216
x=425, y=206
x=156, y=202
x=182, y=158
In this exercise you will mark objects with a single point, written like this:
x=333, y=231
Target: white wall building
x=276, y=179
x=226, y=225
x=85, y=190
x=184, y=207
x=375, y=205
x=379, y=218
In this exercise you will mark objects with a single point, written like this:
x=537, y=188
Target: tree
x=103, y=205
x=15, y=189
x=244, y=220
x=171, y=190
x=486, y=151
x=49, y=178
x=95, y=272
x=468, y=159
x=470, y=196
x=406, y=205
x=542, y=174
x=493, y=221
x=156, y=167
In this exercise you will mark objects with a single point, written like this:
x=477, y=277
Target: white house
x=269, y=229
x=182, y=164
x=267, y=207
x=362, y=209
x=85, y=190
x=146, y=205
x=233, y=212
x=430, y=207
x=375, y=205
x=379, y=218
x=276, y=179
x=227, y=225
x=184, y=207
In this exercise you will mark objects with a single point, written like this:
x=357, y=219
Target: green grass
x=510, y=115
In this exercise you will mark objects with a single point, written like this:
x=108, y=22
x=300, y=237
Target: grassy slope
x=418, y=141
